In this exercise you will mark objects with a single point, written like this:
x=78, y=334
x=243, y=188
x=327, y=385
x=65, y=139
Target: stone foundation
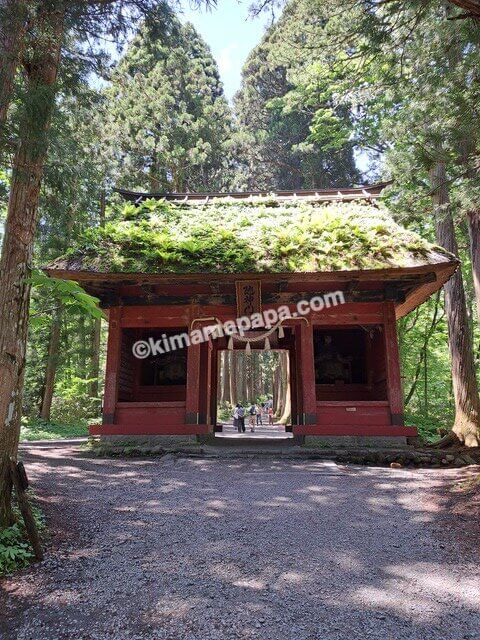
x=143, y=445
x=360, y=442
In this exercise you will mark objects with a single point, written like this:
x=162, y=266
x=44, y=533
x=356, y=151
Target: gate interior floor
x=262, y=432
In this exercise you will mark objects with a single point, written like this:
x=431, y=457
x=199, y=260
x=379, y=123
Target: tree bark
x=467, y=149
x=41, y=73
x=95, y=358
x=97, y=327
x=231, y=378
x=467, y=402
x=13, y=20
x=225, y=370
x=52, y=364
x=473, y=218
x=471, y=7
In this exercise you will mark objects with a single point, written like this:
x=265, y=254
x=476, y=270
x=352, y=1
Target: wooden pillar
x=307, y=363
x=205, y=384
x=214, y=390
x=114, y=347
x=294, y=387
x=394, y=378
x=192, y=403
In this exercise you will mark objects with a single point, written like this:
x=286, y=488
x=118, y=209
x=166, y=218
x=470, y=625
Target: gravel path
x=201, y=549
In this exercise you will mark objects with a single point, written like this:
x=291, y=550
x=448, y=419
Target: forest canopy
x=167, y=124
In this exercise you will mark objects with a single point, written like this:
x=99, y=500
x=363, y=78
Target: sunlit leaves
x=66, y=293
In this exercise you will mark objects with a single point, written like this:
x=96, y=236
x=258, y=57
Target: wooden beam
x=348, y=193
x=363, y=275
x=418, y=283
x=392, y=292
x=417, y=295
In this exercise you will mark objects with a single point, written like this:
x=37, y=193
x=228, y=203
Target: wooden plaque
x=249, y=297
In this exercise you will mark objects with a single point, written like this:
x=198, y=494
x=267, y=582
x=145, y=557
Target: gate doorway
x=257, y=385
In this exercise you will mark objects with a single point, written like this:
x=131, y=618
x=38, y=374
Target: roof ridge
x=344, y=194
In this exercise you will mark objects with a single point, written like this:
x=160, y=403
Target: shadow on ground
x=209, y=548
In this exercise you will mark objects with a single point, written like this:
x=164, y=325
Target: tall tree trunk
x=82, y=349
x=473, y=218
x=467, y=402
x=231, y=381
x=96, y=333
x=13, y=20
x=52, y=364
x=240, y=376
x=467, y=154
x=471, y=7
x=225, y=369
x=94, y=374
x=16, y=259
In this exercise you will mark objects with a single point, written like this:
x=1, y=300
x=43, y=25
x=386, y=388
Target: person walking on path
x=241, y=418
x=252, y=413
x=235, y=419
x=270, y=415
x=259, y=413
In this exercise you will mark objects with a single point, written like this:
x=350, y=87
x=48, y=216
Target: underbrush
x=15, y=550
x=430, y=428
x=37, y=429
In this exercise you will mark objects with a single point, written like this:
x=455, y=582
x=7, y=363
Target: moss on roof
x=258, y=235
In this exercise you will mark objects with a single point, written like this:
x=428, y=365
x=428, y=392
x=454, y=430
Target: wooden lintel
x=391, y=293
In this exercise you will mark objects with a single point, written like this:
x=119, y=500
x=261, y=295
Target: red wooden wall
x=374, y=409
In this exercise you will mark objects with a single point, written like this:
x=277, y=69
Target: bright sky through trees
x=231, y=33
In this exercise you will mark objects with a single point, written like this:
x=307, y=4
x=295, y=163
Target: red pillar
x=192, y=403
x=205, y=384
x=394, y=378
x=114, y=346
x=307, y=364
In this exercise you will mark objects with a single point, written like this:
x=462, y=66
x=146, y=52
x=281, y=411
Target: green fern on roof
x=257, y=235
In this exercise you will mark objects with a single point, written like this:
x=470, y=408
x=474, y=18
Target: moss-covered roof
x=259, y=235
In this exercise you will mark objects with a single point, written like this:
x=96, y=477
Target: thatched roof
x=263, y=235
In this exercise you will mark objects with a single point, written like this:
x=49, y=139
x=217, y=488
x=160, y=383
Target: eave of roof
x=419, y=294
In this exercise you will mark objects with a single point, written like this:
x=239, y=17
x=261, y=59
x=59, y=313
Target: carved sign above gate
x=249, y=297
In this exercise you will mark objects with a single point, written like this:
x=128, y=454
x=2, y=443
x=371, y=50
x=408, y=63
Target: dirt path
x=192, y=549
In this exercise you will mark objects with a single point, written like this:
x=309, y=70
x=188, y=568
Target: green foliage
x=73, y=180
x=430, y=427
x=227, y=236
x=407, y=76
x=66, y=293
x=284, y=141
x=225, y=411
x=167, y=124
x=15, y=551
x=72, y=403
x=4, y=182
x=37, y=429
x=396, y=80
